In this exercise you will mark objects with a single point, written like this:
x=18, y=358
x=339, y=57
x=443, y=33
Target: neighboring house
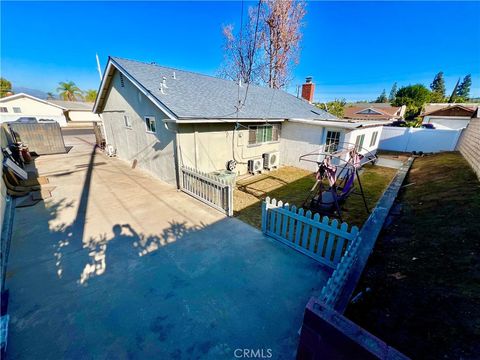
x=449, y=116
x=374, y=111
x=166, y=118
x=78, y=113
x=24, y=105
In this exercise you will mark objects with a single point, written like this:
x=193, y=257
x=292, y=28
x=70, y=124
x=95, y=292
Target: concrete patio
x=119, y=265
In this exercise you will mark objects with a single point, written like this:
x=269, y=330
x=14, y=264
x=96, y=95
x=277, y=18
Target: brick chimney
x=308, y=89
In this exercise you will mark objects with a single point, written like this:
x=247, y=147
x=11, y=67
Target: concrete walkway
x=389, y=163
x=119, y=265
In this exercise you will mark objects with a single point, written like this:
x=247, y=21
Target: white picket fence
x=211, y=190
x=318, y=238
x=335, y=284
x=407, y=139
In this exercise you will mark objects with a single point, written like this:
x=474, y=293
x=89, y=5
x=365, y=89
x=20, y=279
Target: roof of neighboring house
x=370, y=112
x=193, y=96
x=367, y=104
x=19, y=95
x=73, y=105
x=434, y=108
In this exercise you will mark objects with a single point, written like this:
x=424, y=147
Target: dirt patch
x=424, y=273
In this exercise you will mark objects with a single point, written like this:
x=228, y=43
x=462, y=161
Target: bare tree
x=267, y=47
x=242, y=61
x=281, y=35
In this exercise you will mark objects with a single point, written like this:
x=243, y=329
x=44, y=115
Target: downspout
x=195, y=146
x=176, y=154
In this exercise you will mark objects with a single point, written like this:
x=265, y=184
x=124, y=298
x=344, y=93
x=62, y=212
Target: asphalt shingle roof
x=193, y=95
x=73, y=105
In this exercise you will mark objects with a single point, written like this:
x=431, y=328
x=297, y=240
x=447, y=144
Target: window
x=359, y=142
x=150, y=122
x=17, y=110
x=374, y=139
x=3, y=109
x=332, y=141
x=258, y=134
x=128, y=122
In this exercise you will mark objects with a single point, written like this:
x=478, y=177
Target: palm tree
x=50, y=96
x=69, y=91
x=90, y=95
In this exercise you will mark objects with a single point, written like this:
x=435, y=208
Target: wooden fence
x=44, y=138
x=211, y=190
x=320, y=238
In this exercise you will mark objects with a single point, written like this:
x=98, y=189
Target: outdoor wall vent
x=122, y=81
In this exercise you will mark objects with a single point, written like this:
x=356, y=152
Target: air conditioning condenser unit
x=255, y=166
x=271, y=160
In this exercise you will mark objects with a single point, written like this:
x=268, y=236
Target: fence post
x=230, y=200
x=265, y=214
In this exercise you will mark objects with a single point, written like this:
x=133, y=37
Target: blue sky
x=353, y=50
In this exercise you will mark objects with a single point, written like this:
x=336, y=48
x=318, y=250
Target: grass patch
x=425, y=269
x=292, y=185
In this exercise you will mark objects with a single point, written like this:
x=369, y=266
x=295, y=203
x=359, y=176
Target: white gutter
x=220, y=121
x=340, y=124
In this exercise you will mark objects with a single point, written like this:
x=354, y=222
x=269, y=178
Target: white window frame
x=147, y=118
x=3, y=109
x=15, y=108
x=127, y=121
x=359, y=144
x=326, y=137
x=373, y=140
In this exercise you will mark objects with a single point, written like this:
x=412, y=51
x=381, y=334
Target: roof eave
x=14, y=96
x=206, y=120
x=99, y=101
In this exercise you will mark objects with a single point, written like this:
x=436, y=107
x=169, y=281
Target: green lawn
x=425, y=269
x=292, y=185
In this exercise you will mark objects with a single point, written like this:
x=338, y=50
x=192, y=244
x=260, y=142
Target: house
x=66, y=113
x=301, y=137
x=78, y=113
x=374, y=111
x=449, y=115
x=24, y=105
x=163, y=119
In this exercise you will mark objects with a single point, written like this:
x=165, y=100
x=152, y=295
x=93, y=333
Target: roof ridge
x=177, y=69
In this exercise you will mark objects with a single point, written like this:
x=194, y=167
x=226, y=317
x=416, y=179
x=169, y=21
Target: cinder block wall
x=469, y=145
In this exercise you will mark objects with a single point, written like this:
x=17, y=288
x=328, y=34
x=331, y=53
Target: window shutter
x=252, y=134
x=275, y=132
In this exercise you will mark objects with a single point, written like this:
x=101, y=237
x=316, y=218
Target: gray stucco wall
x=469, y=145
x=154, y=152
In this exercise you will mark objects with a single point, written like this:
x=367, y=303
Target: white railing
x=319, y=238
x=208, y=188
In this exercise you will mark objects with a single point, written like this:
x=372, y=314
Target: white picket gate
x=211, y=190
x=320, y=238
